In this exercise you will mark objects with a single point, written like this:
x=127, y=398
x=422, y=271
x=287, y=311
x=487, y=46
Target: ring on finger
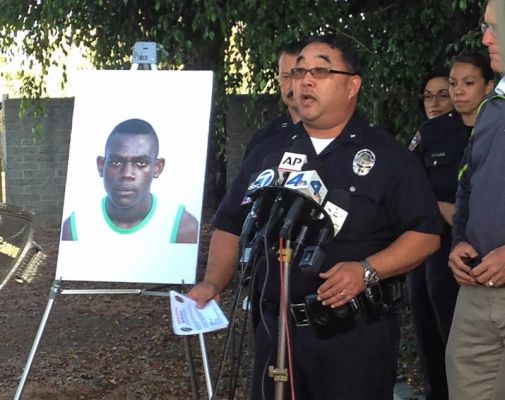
x=342, y=294
x=490, y=283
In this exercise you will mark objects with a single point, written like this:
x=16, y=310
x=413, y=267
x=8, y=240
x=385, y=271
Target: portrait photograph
x=135, y=177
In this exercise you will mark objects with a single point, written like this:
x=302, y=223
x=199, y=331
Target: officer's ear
x=100, y=163
x=354, y=86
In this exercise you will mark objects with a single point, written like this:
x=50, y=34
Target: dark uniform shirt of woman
x=440, y=145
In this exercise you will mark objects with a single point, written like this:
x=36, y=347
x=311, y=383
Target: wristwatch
x=371, y=277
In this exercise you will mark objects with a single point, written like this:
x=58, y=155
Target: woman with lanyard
x=440, y=143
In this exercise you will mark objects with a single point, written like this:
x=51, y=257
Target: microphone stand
x=280, y=373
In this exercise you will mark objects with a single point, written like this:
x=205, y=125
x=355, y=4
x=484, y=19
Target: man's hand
x=221, y=265
x=491, y=271
x=343, y=282
x=459, y=255
x=203, y=293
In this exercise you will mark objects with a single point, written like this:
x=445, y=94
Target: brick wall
x=36, y=170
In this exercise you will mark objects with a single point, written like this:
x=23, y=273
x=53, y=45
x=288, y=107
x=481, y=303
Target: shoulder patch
x=415, y=141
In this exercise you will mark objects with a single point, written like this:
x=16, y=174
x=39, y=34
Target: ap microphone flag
x=292, y=162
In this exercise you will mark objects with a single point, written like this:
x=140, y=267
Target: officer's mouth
x=307, y=98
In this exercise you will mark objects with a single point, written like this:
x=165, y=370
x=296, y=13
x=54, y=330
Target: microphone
x=268, y=178
x=292, y=161
x=275, y=176
x=336, y=206
x=310, y=189
x=338, y=202
x=262, y=183
x=262, y=179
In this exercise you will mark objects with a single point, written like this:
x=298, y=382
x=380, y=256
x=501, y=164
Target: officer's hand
x=343, y=282
x=459, y=255
x=203, y=293
x=491, y=271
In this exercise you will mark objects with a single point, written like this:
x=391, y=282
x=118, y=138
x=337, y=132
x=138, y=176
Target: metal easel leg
x=205, y=363
x=192, y=374
x=53, y=294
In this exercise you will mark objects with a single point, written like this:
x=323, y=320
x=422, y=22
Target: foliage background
x=399, y=41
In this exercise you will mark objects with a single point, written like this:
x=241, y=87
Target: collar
x=283, y=121
x=353, y=133
x=500, y=88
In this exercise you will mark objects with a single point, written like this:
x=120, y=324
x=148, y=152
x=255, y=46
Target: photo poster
x=177, y=104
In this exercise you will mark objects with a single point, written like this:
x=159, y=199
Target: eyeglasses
x=317, y=72
x=493, y=29
x=429, y=97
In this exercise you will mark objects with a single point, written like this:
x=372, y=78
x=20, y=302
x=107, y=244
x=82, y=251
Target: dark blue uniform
x=283, y=123
x=432, y=287
x=360, y=363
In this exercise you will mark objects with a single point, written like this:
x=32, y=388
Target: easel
x=144, y=57
x=56, y=290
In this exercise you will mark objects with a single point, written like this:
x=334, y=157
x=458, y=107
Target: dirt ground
x=108, y=346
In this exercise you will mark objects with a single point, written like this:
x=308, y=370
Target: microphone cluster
x=291, y=202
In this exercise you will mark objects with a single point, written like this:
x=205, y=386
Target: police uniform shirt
x=283, y=123
x=389, y=192
x=441, y=146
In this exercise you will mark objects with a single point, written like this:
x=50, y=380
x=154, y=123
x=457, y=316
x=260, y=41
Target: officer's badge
x=415, y=141
x=363, y=162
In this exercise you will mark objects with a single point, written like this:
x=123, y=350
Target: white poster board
x=177, y=105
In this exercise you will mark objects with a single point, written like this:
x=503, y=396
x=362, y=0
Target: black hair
x=349, y=53
x=293, y=48
x=134, y=126
x=440, y=72
x=478, y=60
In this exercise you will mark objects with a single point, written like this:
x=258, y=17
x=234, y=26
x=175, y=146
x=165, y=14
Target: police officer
x=387, y=232
x=284, y=122
x=440, y=144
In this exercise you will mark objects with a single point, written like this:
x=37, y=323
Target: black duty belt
x=392, y=291
x=300, y=315
x=298, y=312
